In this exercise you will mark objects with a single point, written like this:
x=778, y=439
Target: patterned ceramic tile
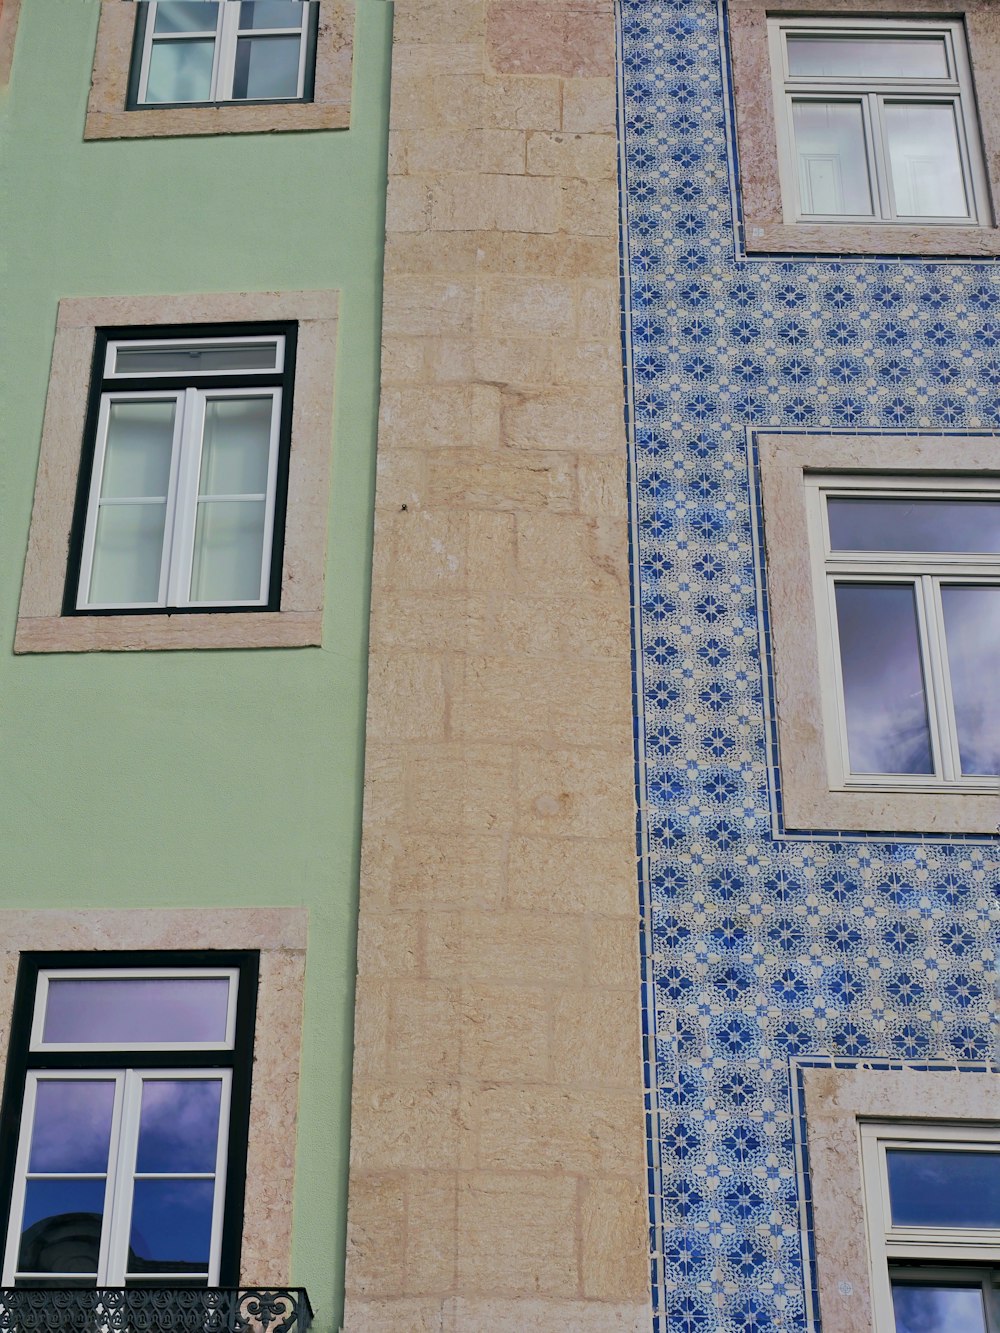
x=764, y=948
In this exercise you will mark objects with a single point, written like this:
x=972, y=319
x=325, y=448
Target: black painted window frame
x=21, y=1060
x=100, y=384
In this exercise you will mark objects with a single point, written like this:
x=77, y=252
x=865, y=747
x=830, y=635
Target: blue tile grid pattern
x=765, y=949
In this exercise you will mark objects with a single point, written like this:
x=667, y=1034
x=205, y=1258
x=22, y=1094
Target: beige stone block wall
x=497, y=1159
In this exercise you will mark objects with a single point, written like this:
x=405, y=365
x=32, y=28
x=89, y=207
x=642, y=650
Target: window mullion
x=885, y=195
x=944, y=702
x=111, y=1263
x=182, y=518
x=225, y=66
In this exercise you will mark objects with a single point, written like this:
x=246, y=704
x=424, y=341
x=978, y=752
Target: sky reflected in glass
x=969, y=526
x=122, y=1010
x=926, y=1309
x=72, y=1125
x=972, y=631
x=171, y=1225
x=884, y=697
x=930, y=1188
x=179, y=1125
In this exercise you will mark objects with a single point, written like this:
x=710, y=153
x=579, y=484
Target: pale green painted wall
x=215, y=778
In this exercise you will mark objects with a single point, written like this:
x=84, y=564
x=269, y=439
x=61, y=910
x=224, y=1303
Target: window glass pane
x=186, y=16
x=925, y=160
x=228, y=551
x=120, y=1010
x=929, y=1187
x=266, y=67
x=831, y=156
x=128, y=548
x=971, y=526
x=869, y=57
x=884, y=699
x=61, y=1226
x=138, y=451
x=922, y=1308
x=179, y=1125
x=236, y=446
x=72, y=1126
x=171, y=1226
x=972, y=631
x=190, y=358
x=180, y=71
x=271, y=14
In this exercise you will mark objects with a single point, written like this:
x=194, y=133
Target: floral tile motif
x=765, y=948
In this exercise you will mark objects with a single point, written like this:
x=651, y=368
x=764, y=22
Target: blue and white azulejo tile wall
x=766, y=950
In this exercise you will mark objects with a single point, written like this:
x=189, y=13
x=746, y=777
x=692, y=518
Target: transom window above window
x=204, y=51
x=932, y=1199
x=182, y=504
x=876, y=122
x=907, y=579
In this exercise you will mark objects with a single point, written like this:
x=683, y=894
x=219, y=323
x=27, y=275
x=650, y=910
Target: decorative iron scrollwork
x=154, y=1310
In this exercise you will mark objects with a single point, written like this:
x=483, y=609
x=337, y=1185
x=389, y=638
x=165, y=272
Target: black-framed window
x=123, y=1132
x=182, y=489
x=222, y=52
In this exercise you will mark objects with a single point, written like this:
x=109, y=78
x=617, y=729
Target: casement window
x=876, y=122
x=125, y=1120
x=199, y=52
x=907, y=586
x=181, y=498
x=932, y=1204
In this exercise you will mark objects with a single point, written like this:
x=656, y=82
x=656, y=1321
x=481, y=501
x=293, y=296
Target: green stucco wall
x=212, y=778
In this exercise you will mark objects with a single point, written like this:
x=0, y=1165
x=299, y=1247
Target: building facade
x=651, y=396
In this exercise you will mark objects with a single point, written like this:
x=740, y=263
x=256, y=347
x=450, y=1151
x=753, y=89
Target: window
x=876, y=121
x=207, y=51
x=908, y=600
x=932, y=1195
x=128, y=1098
x=182, y=501
x=861, y=133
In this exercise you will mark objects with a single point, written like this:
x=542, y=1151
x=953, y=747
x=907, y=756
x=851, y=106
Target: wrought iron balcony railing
x=154, y=1310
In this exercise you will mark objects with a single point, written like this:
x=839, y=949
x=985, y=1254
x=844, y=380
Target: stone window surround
x=765, y=230
x=835, y=1100
x=9, y=10
x=41, y=626
x=809, y=802
x=280, y=936
x=107, y=117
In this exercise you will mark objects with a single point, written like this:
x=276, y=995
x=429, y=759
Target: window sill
x=154, y=633
x=107, y=118
x=827, y=238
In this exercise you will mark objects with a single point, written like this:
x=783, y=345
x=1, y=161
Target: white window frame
x=45, y=976
x=926, y=572
x=116, y=345
x=225, y=34
x=957, y=90
x=182, y=498
x=121, y=1173
x=967, y=1255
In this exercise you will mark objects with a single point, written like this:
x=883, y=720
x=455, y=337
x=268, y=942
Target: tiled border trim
x=280, y=935
x=9, y=11
x=107, y=117
x=764, y=230
x=41, y=627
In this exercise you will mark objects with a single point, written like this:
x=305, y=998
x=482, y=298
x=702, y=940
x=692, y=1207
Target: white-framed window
x=205, y=51
x=932, y=1206
x=876, y=122
x=906, y=573
x=188, y=451
x=130, y=1098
